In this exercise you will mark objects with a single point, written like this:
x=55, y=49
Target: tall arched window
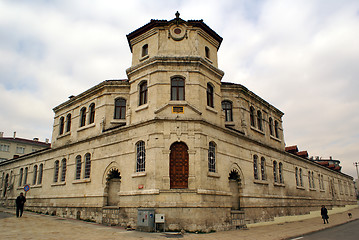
x=207, y=52
x=281, y=179
x=309, y=179
x=227, y=109
x=68, y=122
x=63, y=170
x=301, y=177
x=263, y=169
x=35, y=175
x=210, y=93
x=82, y=117
x=25, y=176
x=296, y=176
x=87, y=165
x=255, y=166
x=313, y=180
x=251, y=112
x=212, y=157
x=20, y=176
x=271, y=126
x=177, y=89
x=78, y=167
x=92, y=113
x=140, y=156
x=144, y=50
x=143, y=93
x=61, y=125
x=259, y=120
x=276, y=129
x=275, y=177
x=41, y=169
x=56, y=171
x=120, y=108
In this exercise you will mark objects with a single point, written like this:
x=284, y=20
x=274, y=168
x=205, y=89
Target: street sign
x=26, y=188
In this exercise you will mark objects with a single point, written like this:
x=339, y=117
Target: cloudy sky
x=302, y=56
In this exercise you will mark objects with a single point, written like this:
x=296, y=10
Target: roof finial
x=177, y=15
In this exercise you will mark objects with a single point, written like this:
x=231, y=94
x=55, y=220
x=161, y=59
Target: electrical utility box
x=146, y=219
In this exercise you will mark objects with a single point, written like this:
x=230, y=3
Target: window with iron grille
x=87, y=165
x=141, y=156
x=78, y=167
x=255, y=166
x=63, y=170
x=263, y=170
x=212, y=157
x=56, y=171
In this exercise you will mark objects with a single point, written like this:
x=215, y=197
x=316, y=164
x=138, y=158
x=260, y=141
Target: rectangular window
x=20, y=150
x=4, y=147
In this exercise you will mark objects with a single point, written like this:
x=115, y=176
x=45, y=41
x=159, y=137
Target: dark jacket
x=324, y=212
x=20, y=201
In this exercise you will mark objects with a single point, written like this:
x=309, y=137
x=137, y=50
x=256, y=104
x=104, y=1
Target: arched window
x=141, y=156
x=120, y=108
x=61, y=125
x=313, y=180
x=210, y=92
x=39, y=179
x=271, y=126
x=263, y=169
x=56, y=171
x=322, y=182
x=281, y=180
x=177, y=89
x=255, y=166
x=296, y=176
x=82, y=117
x=20, y=176
x=259, y=120
x=78, y=167
x=300, y=177
x=143, y=93
x=251, y=112
x=309, y=179
x=275, y=177
x=144, y=50
x=68, y=122
x=227, y=109
x=206, y=49
x=35, y=175
x=87, y=165
x=92, y=113
x=63, y=170
x=276, y=129
x=25, y=176
x=212, y=157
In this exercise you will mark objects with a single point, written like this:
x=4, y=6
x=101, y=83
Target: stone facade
x=209, y=155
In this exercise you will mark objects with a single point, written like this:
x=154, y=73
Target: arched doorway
x=179, y=165
x=235, y=185
x=113, y=182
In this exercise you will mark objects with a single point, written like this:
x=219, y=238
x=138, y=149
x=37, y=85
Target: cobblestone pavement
x=36, y=226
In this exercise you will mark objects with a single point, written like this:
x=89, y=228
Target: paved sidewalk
x=35, y=226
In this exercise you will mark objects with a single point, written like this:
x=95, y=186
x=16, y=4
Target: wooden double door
x=179, y=165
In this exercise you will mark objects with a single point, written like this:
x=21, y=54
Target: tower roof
x=161, y=23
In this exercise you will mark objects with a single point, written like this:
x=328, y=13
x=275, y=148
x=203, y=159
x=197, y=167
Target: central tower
x=174, y=68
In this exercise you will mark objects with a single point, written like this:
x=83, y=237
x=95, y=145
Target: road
x=348, y=231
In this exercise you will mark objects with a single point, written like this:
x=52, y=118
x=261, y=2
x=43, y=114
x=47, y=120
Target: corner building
x=207, y=154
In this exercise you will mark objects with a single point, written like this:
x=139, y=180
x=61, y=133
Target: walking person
x=20, y=201
x=324, y=213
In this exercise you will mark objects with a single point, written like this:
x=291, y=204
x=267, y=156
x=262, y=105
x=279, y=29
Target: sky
x=302, y=56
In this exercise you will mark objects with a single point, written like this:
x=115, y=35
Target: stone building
x=209, y=155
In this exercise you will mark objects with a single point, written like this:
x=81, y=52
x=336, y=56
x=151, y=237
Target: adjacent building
x=175, y=138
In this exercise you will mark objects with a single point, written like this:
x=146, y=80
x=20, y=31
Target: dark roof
x=26, y=141
x=160, y=23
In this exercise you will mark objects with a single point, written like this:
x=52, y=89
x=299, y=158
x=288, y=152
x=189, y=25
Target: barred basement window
x=255, y=166
x=141, y=156
x=212, y=157
x=87, y=165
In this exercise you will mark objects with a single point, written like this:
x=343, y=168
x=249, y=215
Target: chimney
x=1, y=134
x=14, y=134
x=46, y=140
x=35, y=139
